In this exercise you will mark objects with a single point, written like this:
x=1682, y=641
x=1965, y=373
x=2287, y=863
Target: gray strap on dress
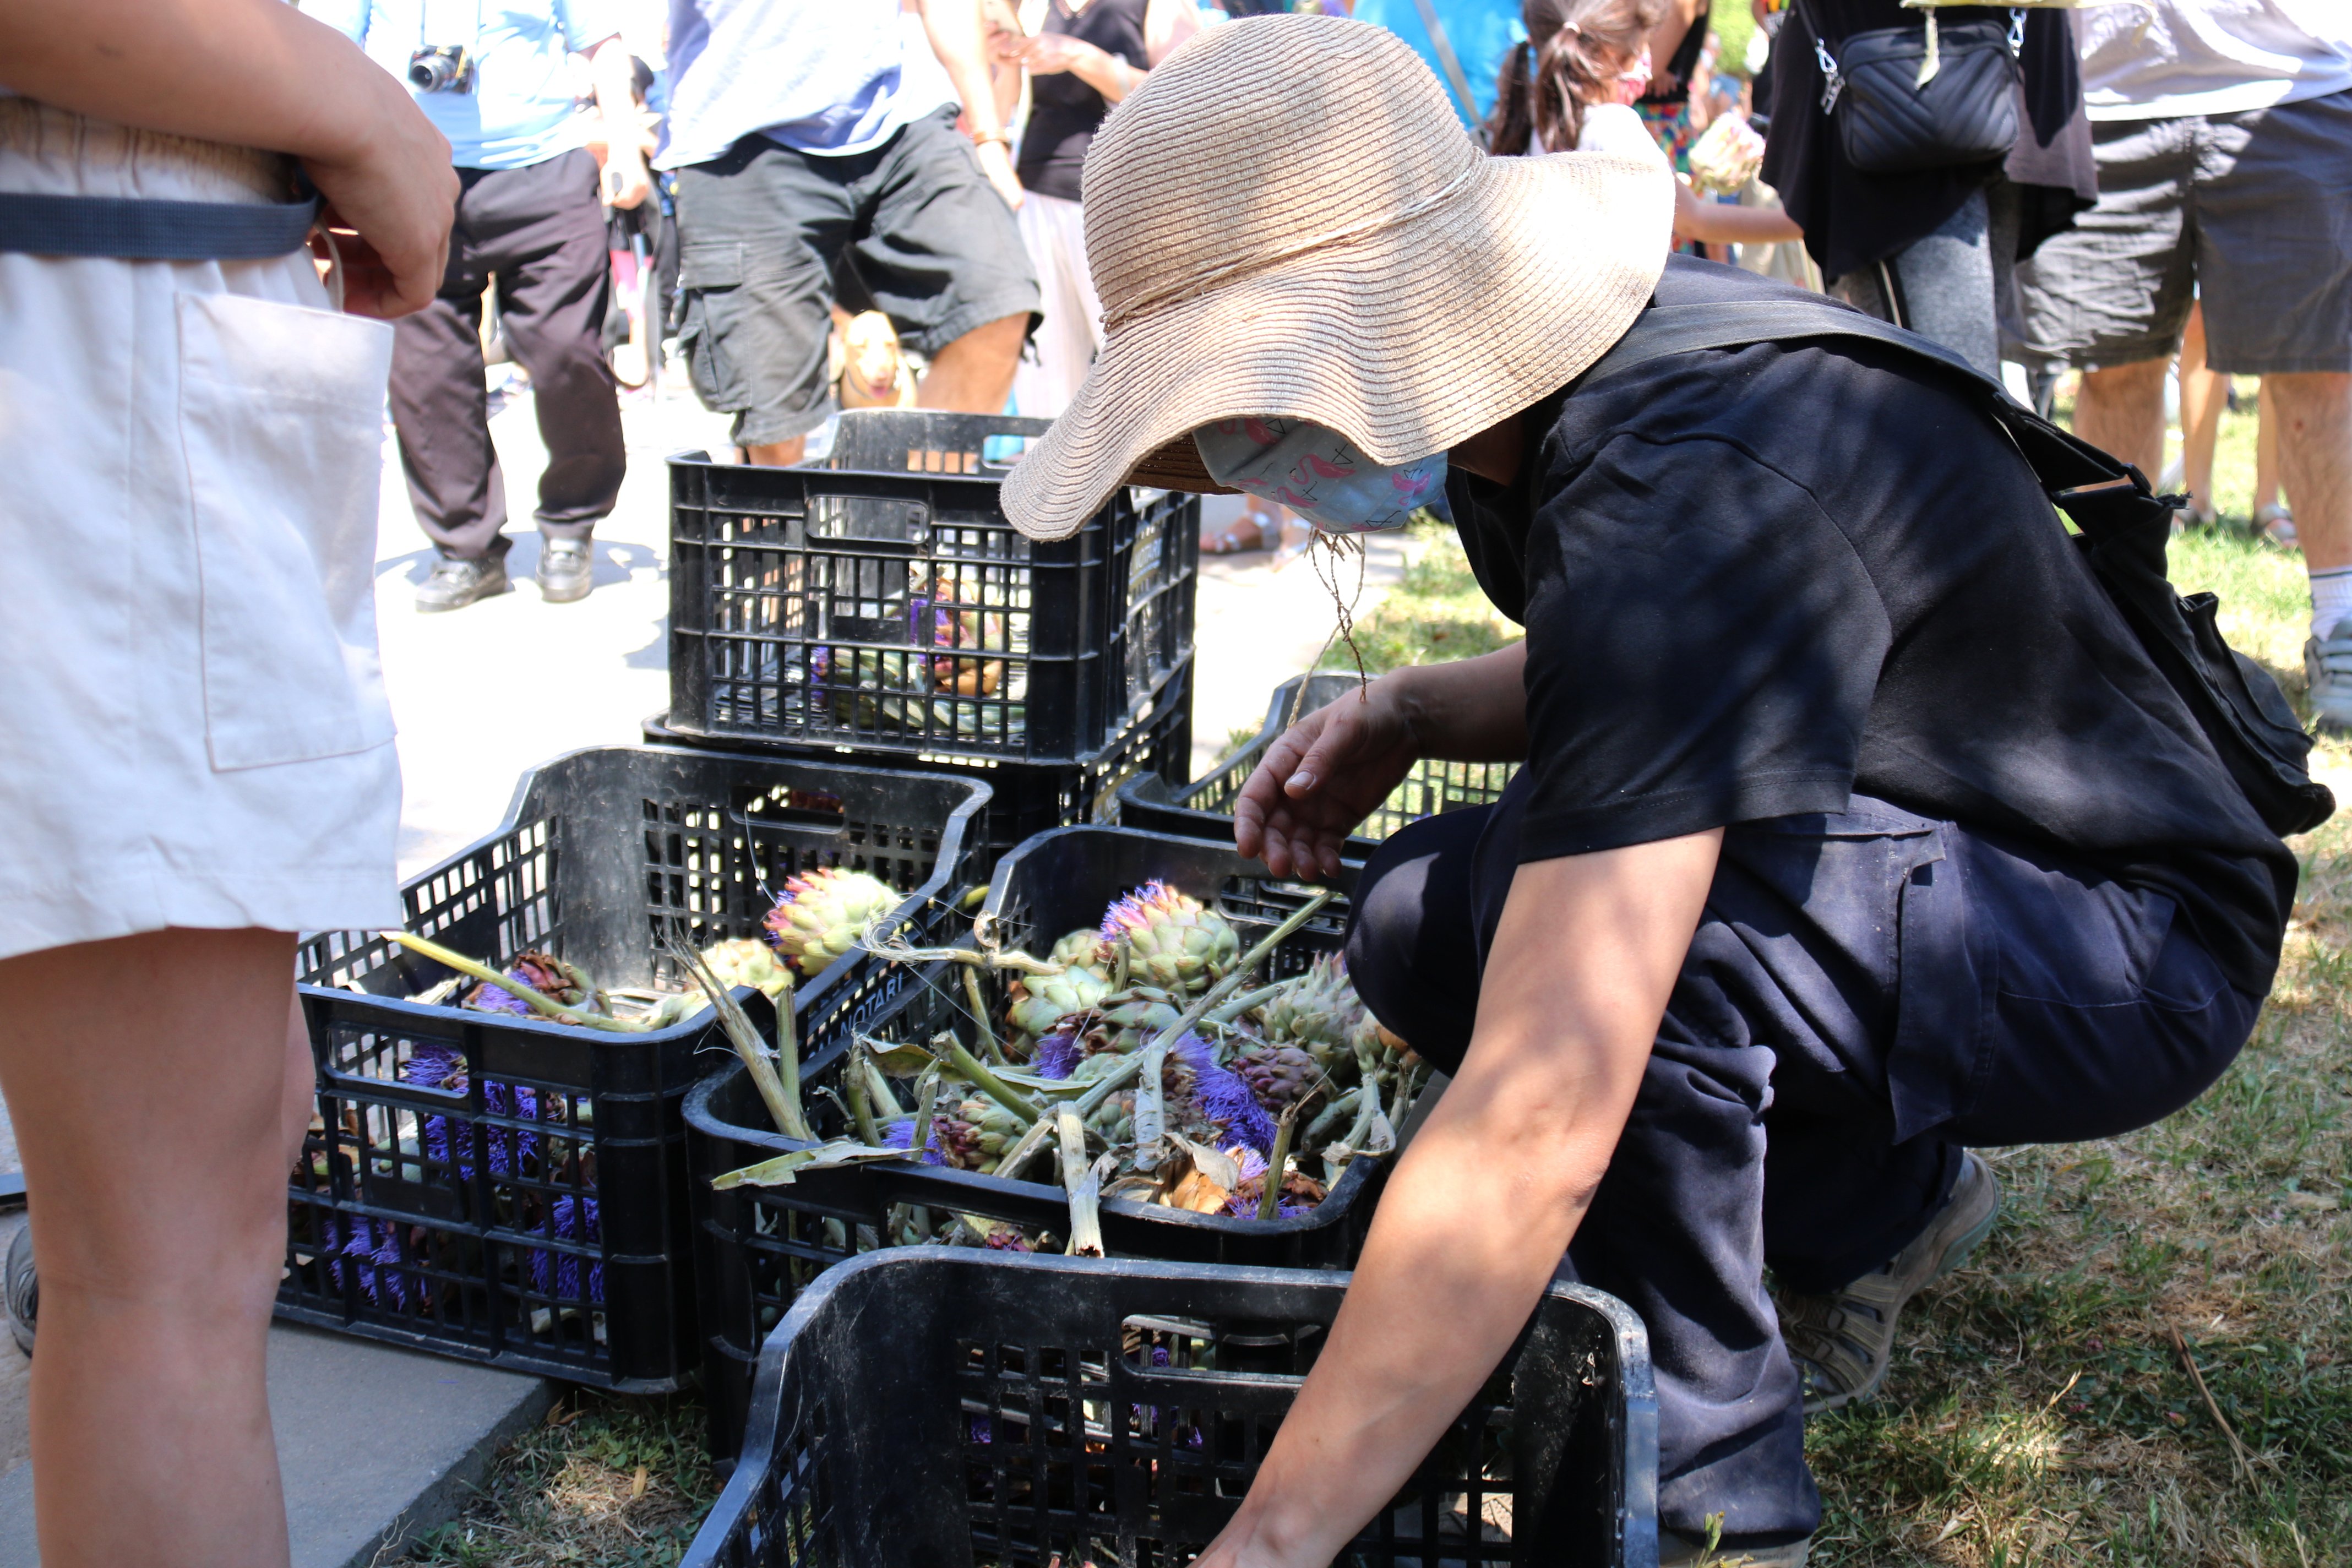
x=138, y=230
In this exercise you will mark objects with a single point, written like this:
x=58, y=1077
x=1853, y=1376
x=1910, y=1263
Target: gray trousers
x=541, y=230
x=1954, y=286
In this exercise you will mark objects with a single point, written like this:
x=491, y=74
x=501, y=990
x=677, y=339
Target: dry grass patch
x=616, y=1482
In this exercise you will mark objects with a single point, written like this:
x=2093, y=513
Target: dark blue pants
x=1866, y=994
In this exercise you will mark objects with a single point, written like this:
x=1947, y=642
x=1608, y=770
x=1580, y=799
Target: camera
x=441, y=67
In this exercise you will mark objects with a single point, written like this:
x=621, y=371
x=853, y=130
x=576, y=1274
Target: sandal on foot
x=2276, y=524
x=1844, y=1341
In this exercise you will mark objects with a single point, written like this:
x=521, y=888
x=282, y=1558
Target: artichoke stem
x=1121, y=963
x=537, y=1000
x=1329, y=1116
x=1232, y=1011
x=980, y=1016
x=987, y=1082
x=780, y=1093
x=861, y=1107
x=877, y=1084
x=1269, y=1202
x=927, y=1093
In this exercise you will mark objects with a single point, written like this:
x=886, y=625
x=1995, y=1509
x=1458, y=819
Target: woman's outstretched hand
x=1321, y=778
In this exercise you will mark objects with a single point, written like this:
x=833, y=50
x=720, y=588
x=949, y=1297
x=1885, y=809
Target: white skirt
x=192, y=724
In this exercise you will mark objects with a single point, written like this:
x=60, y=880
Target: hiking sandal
x=1844, y=1341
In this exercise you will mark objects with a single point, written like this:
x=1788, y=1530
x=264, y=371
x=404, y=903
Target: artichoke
x=1042, y=1000
x=1124, y=1026
x=1082, y=948
x=1279, y=1075
x=823, y=913
x=1174, y=942
x=747, y=961
x=1216, y=1094
x=543, y=972
x=1319, y=1012
x=975, y=1135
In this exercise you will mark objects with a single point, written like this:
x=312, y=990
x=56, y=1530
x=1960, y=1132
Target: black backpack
x=2124, y=528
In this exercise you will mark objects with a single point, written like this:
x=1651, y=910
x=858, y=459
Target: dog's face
x=871, y=346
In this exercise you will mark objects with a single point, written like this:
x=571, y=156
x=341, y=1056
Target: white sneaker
x=2327, y=665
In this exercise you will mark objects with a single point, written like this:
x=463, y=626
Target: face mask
x=1319, y=474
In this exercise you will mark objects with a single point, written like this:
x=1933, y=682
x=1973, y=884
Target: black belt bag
x=2123, y=531
x=1903, y=99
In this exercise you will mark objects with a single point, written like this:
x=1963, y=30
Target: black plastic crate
x=757, y=1247
x=1204, y=808
x=937, y=1406
x=512, y=1190
x=1155, y=750
x=886, y=604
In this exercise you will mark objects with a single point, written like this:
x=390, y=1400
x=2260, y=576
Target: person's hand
x=1048, y=53
x=627, y=182
x=1321, y=778
x=997, y=163
x=390, y=205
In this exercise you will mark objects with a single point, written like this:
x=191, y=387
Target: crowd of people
x=1855, y=812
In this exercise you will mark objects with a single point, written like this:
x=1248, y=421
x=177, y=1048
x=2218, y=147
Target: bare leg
x=780, y=454
x=2120, y=410
x=2314, y=448
x=152, y=1134
x=973, y=374
x=2266, y=478
x=300, y=1100
x=2203, y=394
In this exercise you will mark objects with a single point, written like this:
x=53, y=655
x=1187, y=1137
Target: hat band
x=1202, y=282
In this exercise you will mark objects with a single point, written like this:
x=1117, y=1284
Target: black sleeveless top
x=1062, y=110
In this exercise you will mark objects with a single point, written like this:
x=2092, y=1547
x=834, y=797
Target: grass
x=606, y=1480
x=2038, y=1411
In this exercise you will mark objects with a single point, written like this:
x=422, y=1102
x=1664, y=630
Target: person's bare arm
x=1720, y=223
x=257, y=73
x=959, y=35
x=626, y=183
x=1327, y=772
x=1167, y=24
x=1484, y=1201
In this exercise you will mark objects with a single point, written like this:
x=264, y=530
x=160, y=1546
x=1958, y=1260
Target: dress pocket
x=281, y=425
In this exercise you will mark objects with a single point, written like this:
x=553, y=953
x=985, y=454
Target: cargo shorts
x=911, y=229
x=2250, y=212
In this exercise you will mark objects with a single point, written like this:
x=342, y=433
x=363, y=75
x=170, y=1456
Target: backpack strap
x=2066, y=465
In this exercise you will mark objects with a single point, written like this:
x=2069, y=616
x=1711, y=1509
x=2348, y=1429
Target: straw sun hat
x=1287, y=218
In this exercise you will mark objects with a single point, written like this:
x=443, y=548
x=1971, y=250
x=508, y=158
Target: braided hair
x=1574, y=52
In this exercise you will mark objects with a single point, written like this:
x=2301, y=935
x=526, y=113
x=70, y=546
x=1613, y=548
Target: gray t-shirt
x=2155, y=60
x=820, y=75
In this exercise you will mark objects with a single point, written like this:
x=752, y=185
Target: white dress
x=192, y=724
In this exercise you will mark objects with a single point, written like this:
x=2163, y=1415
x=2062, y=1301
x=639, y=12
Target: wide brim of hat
x=1406, y=341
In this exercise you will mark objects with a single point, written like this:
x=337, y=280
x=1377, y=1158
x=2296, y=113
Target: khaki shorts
x=2252, y=213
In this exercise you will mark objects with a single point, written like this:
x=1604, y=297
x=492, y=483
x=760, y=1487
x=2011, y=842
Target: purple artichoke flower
x=900, y=1134
x=444, y=1067
x=1221, y=1095
x=370, y=1251
x=1058, y=1055
x=558, y=1273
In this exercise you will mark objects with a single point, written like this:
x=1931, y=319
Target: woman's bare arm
x=1484, y=1203
x=257, y=73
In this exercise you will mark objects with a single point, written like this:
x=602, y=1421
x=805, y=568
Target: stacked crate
x=884, y=611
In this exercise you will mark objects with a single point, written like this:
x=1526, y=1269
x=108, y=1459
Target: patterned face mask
x=1319, y=474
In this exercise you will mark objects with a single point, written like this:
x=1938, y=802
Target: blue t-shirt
x=819, y=76
x=1481, y=31
x=521, y=110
